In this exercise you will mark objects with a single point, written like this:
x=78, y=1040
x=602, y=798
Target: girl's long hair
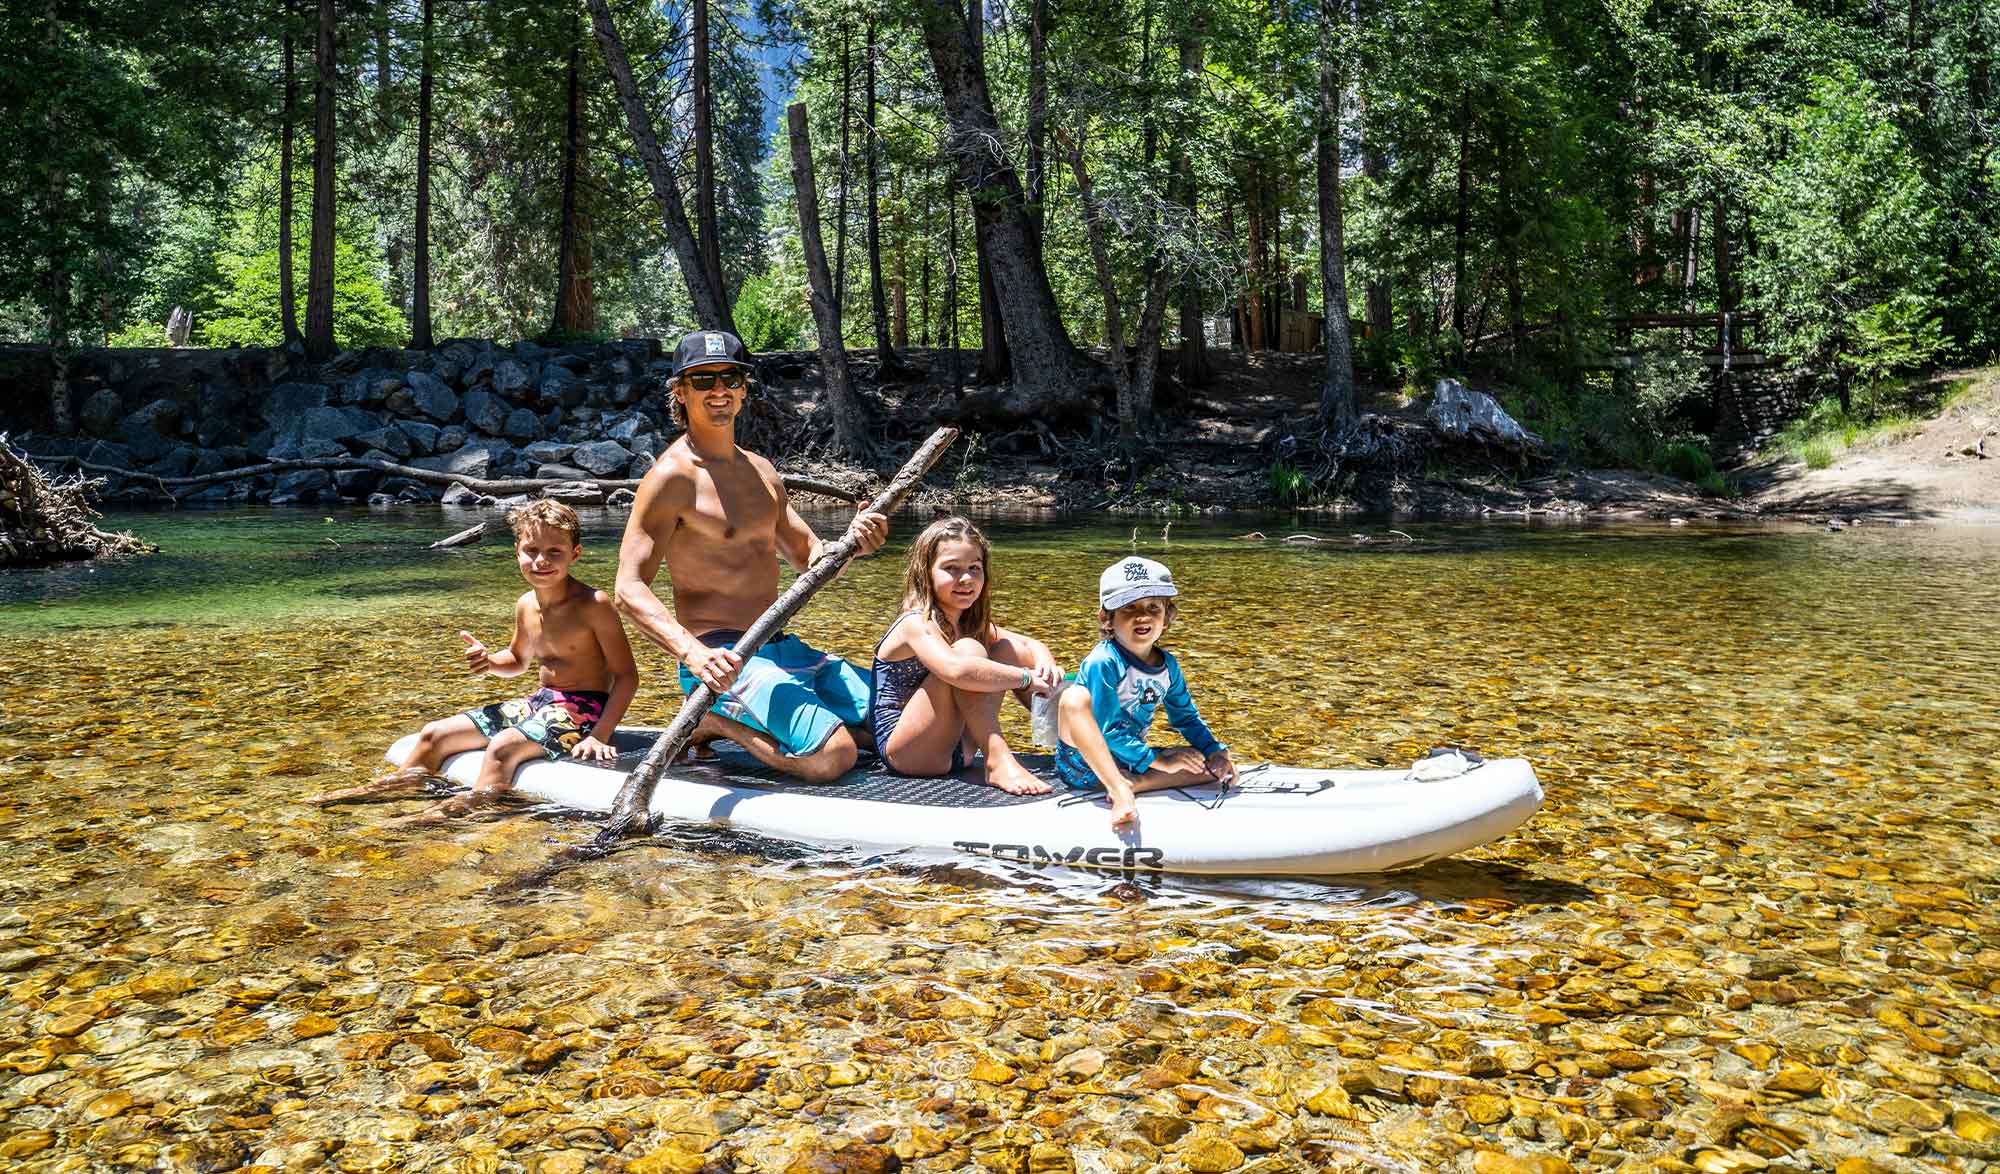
x=917, y=591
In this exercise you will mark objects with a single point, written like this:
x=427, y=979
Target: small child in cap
x=1102, y=724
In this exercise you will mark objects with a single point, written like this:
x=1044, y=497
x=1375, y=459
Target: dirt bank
x=1218, y=456
x=1945, y=469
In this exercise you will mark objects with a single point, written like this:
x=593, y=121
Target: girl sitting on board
x=944, y=666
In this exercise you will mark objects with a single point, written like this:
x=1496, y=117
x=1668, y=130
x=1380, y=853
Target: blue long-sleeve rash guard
x=1125, y=693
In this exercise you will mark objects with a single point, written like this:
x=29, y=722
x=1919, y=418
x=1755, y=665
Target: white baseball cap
x=1134, y=578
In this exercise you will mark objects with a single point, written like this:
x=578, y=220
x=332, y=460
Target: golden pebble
x=1211, y=1155
x=313, y=1026
x=1496, y=1162
x=27, y=1143
x=1973, y=1125
x=111, y=1104
x=1487, y=1109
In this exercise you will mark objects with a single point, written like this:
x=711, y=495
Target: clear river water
x=1753, y=927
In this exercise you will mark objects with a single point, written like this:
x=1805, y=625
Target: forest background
x=1498, y=189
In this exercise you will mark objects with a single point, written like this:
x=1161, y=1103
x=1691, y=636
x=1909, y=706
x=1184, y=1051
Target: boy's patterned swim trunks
x=554, y=719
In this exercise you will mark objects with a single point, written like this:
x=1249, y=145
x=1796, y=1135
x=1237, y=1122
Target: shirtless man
x=720, y=519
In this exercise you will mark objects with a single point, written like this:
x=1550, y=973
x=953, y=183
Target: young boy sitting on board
x=587, y=677
x=1101, y=724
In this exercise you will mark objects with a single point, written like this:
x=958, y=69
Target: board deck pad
x=870, y=779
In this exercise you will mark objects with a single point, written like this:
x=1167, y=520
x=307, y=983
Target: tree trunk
x=1194, y=367
x=885, y=352
x=1038, y=110
x=899, y=285
x=386, y=114
x=1050, y=376
x=840, y=196
x=420, y=293
x=1462, y=222
x=57, y=279
x=576, y=302
x=704, y=155
x=710, y=303
x=319, y=266
x=1107, y=288
x=849, y=426
x=1255, y=265
x=288, y=308
x=924, y=293
x=996, y=365
x=1336, y=396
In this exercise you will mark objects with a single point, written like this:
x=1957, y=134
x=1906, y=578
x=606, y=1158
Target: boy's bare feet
x=1015, y=779
x=402, y=783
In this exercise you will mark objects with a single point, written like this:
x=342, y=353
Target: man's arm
x=666, y=490
x=802, y=548
x=508, y=662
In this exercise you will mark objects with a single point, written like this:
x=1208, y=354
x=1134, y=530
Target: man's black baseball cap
x=705, y=348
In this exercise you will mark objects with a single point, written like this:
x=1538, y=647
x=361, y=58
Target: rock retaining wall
x=469, y=407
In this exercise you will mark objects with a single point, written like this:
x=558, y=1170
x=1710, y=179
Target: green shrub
x=767, y=319
x=1684, y=459
x=1288, y=484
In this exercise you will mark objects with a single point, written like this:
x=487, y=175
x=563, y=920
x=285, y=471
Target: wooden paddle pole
x=629, y=813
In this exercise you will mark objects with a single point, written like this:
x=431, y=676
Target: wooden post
x=847, y=423
x=628, y=814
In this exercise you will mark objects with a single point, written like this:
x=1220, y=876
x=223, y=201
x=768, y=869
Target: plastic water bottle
x=1042, y=716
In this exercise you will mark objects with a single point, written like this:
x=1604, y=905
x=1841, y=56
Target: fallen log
x=493, y=488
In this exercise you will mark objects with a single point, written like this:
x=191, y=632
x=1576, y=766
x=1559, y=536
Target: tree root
x=45, y=521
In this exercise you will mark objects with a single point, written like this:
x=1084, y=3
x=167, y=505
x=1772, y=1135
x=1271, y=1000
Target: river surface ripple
x=1754, y=927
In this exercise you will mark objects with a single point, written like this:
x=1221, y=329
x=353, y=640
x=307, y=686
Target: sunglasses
x=732, y=380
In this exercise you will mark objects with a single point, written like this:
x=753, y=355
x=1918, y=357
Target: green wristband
x=1027, y=678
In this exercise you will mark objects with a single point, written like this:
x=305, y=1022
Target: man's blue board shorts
x=790, y=690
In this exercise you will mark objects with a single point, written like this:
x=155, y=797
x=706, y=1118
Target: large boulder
x=177, y=463
x=559, y=388
x=101, y=412
x=478, y=370
x=150, y=432
x=485, y=412
x=218, y=399
x=1461, y=414
x=372, y=387
x=544, y=452
x=319, y=448
x=356, y=482
x=555, y=471
x=522, y=426
x=602, y=458
x=511, y=377
x=430, y=397
x=627, y=426
x=286, y=402
x=301, y=485
x=451, y=439
x=470, y=461
x=390, y=440
x=576, y=493
x=423, y=437
x=342, y=426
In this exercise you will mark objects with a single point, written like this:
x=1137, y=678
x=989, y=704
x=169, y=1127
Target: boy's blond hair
x=549, y=513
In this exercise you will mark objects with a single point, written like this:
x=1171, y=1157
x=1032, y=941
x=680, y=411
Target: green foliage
x=1288, y=484
x=1884, y=411
x=1849, y=268
x=768, y=317
x=138, y=334
x=247, y=305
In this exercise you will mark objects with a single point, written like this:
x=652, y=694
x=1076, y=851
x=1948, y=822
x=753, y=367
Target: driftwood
x=493, y=488
x=46, y=521
x=628, y=815
x=462, y=538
